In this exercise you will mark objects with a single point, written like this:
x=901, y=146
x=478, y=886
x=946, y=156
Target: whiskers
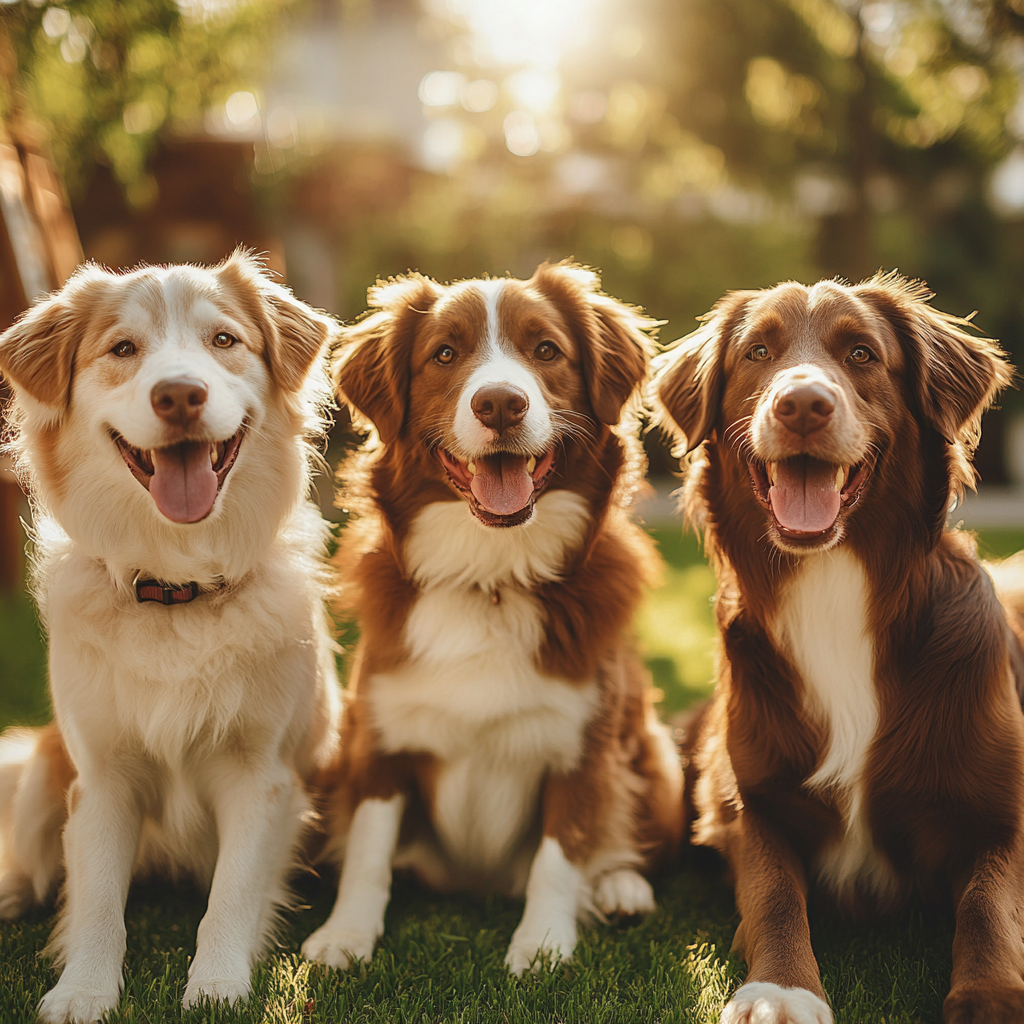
x=737, y=436
x=574, y=425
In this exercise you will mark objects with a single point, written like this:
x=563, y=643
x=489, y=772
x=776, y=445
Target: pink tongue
x=184, y=485
x=804, y=497
x=502, y=484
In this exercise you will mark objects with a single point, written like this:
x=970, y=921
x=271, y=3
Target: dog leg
x=585, y=815
x=555, y=891
x=783, y=983
x=259, y=816
x=357, y=920
x=988, y=954
x=100, y=845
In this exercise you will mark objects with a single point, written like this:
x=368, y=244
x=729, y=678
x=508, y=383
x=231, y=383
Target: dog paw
x=760, y=1002
x=339, y=947
x=978, y=1004
x=214, y=990
x=531, y=948
x=73, y=1004
x=625, y=893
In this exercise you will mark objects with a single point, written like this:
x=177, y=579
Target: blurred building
x=337, y=124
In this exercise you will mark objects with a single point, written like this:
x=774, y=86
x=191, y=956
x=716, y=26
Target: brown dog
x=500, y=731
x=866, y=733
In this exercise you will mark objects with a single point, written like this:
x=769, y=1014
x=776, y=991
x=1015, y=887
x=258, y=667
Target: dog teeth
x=213, y=455
x=471, y=466
x=531, y=465
x=840, y=478
x=773, y=468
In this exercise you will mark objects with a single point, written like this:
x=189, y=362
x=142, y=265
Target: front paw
x=983, y=1004
x=339, y=947
x=68, y=1003
x=760, y=1002
x=624, y=893
x=532, y=946
x=202, y=989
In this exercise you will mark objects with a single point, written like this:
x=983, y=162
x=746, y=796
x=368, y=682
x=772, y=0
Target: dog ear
x=37, y=352
x=688, y=375
x=615, y=338
x=294, y=333
x=371, y=368
x=954, y=374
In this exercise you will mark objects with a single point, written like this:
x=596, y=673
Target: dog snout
x=179, y=400
x=499, y=406
x=804, y=407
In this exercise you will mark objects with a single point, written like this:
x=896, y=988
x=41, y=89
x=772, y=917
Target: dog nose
x=499, y=406
x=179, y=400
x=804, y=408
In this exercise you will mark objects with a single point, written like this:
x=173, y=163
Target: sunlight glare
x=529, y=32
x=533, y=89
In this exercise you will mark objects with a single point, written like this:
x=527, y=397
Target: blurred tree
x=846, y=112
x=870, y=129
x=104, y=77
x=691, y=146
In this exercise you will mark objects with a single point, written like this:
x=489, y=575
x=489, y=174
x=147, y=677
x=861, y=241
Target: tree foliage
x=737, y=142
x=104, y=77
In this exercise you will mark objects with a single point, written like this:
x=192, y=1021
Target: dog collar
x=164, y=593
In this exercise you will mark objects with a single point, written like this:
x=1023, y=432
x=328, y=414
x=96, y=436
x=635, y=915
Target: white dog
x=162, y=419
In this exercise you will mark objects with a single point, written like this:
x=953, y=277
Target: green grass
x=441, y=958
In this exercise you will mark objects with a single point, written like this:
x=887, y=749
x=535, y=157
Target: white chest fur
x=822, y=625
x=470, y=692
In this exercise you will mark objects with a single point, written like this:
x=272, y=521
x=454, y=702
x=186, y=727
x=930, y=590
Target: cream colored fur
x=192, y=728
x=760, y=1002
x=498, y=363
x=822, y=625
x=471, y=695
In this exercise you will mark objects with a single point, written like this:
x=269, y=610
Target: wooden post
x=39, y=250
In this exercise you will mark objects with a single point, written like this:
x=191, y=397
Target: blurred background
x=683, y=147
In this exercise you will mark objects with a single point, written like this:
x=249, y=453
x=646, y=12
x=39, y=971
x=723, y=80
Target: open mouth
x=805, y=495
x=501, y=489
x=184, y=479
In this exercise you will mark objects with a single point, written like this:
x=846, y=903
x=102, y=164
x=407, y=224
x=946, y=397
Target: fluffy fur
x=500, y=731
x=184, y=736
x=866, y=733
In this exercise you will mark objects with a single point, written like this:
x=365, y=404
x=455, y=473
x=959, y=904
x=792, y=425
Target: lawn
x=442, y=957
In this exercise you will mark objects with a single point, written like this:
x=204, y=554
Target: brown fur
x=944, y=776
x=61, y=772
x=384, y=371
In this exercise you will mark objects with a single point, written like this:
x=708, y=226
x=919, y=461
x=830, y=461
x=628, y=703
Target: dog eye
x=758, y=353
x=860, y=355
x=445, y=354
x=546, y=350
x=224, y=340
x=124, y=348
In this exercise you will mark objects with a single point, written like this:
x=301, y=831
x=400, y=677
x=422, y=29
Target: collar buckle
x=163, y=593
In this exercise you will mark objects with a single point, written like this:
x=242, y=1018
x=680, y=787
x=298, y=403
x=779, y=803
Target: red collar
x=164, y=593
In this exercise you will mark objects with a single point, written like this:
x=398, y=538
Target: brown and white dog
x=866, y=733
x=163, y=419
x=499, y=731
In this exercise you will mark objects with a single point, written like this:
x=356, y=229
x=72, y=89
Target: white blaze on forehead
x=173, y=342
x=499, y=362
x=491, y=291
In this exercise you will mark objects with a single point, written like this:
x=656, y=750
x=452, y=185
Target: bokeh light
x=526, y=32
